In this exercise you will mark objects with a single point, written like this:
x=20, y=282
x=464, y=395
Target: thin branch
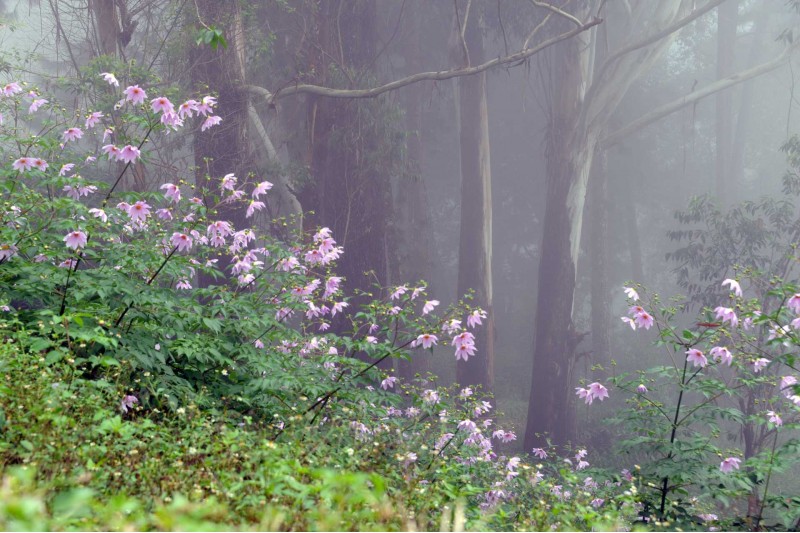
x=657, y=36
x=416, y=78
x=558, y=12
x=693, y=97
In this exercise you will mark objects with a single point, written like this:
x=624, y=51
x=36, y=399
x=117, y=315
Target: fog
x=545, y=183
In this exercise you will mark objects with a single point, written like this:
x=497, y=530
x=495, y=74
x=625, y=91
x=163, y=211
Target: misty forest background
x=543, y=182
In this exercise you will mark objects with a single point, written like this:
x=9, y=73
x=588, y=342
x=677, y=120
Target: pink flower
x=794, y=303
x=135, y=94
x=729, y=465
x=36, y=104
x=774, y=418
x=171, y=192
x=182, y=241
x=631, y=293
x=139, y=211
x=641, y=389
x=734, y=285
x=72, y=134
x=40, y=164
x=75, y=239
x=427, y=340
x=110, y=78
x=464, y=352
x=129, y=154
x=696, y=357
x=187, y=109
x=7, y=251
x=183, y=285
x=205, y=107
x=22, y=164
x=93, y=119
x=388, y=383
x=261, y=188
x=468, y=426
x=540, y=453
x=229, y=182
x=111, y=150
x=398, y=292
x=462, y=338
x=66, y=168
x=631, y=322
x=720, y=353
x=210, y=122
x=161, y=105
x=99, y=213
x=759, y=364
x=429, y=305
x=11, y=89
x=597, y=391
x=726, y=314
x=474, y=318
x=127, y=402
x=787, y=385
x=644, y=320
x=332, y=286
x=253, y=207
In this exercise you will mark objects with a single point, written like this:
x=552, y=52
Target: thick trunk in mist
x=350, y=192
x=412, y=211
x=727, y=19
x=475, y=238
x=569, y=158
x=598, y=252
x=223, y=148
x=106, y=25
x=746, y=104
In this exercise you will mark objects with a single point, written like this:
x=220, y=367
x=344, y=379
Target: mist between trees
x=537, y=163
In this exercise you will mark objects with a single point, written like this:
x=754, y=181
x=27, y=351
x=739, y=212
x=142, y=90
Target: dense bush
x=165, y=369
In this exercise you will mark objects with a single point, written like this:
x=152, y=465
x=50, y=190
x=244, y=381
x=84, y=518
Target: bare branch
x=657, y=36
x=416, y=78
x=694, y=96
x=557, y=11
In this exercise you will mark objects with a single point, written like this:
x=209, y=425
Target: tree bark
x=412, y=211
x=223, y=148
x=568, y=158
x=727, y=20
x=598, y=249
x=475, y=234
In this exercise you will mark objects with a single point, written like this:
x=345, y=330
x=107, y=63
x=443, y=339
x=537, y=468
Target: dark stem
x=766, y=482
x=665, y=483
x=149, y=281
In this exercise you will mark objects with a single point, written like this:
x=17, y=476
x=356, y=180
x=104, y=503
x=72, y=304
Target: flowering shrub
x=714, y=424
x=144, y=311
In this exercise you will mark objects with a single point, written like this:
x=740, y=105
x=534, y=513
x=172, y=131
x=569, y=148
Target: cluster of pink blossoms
x=595, y=391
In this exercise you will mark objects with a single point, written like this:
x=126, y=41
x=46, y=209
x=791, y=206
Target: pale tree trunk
x=475, y=234
x=746, y=104
x=598, y=250
x=727, y=19
x=581, y=104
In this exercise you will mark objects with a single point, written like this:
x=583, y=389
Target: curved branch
x=694, y=96
x=416, y=78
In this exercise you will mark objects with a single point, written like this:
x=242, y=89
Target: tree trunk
x=475, y=237
x=598, y=250
x=223, y=148
x=106, y=25
x=569, y=156
x=746, y=104
x=727, y=19
x=413, y=217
